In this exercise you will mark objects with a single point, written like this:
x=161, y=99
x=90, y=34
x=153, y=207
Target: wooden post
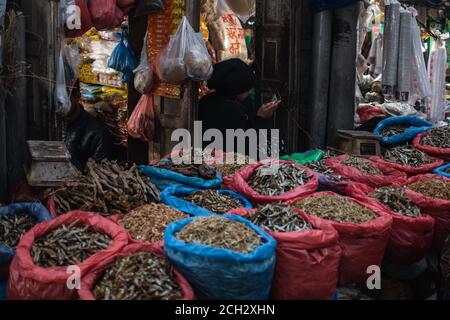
x=3, y=163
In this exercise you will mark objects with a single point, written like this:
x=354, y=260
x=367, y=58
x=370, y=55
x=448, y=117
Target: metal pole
x=341, y=103
x=321, y=51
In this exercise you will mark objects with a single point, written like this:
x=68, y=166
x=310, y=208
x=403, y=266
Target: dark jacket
x=87, y=137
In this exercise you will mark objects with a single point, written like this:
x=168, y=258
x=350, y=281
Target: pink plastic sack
x=442, y=153
x=105, y=14
x=141, y=124
x=410, y=170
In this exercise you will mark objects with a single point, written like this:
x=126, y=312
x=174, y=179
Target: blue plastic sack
x=36, y=210
x=441, y=170
x=172, y=197
x=323, y=5
x=122, y=58
x=220, y=274
x=416, y=124
x=163, y=179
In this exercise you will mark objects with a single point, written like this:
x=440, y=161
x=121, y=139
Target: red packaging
x=443, y=153
x=410, y=170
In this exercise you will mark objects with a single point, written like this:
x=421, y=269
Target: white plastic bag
x=437, y=65
x=143, y=74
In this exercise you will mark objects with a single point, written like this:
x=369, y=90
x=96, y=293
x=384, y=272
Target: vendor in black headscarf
x=230, y=106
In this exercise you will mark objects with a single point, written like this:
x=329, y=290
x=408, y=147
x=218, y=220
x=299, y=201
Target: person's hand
x=267, y=110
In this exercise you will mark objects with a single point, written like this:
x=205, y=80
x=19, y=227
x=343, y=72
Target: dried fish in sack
x=320, y=167
x=447, y=170
x=362, y=165
x=221, y=233
x=407, y=156
x=148, y=223
x=394, y=130
x=139, y=276
x=438, y=137
x=13, y=227
x=335, y=208
x=286, y=176
x=190, y=170
x=433, y=188
x=278, y=218
x=228, y=170
x=214, y=201
x=68, y=245
x=397, y=201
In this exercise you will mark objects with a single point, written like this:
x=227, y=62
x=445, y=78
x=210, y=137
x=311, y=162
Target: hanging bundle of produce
x=435, y=142
x=122, y=58
x=143, y=74
x=203, y=202
x=432, y=194
x=391, y=48
x=412, y=231
x=137, y=272
x=395, y=131
x=16, y=220
x=222, y=257
x=363, y=230
x=141, y=124
x=106, y=188
x=365, y=171
x=275, y=180
x=404, y=55
x=39, y=270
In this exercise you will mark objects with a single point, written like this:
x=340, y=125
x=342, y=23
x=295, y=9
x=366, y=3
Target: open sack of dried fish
x=396, y=131
x=106, y=188
x=148, y=223
x=411, y=233
x=435, y=142
x=39, y=269
x=165, y=173
x=443, y=171
x=328, y=179
x=409, y=160
x=16, y=220
x=302, y=241
x=363, y=228
x=196, y=202
x=137, y=272
x=431, y=193
x=274, y=181
x=228, y=164
x=365, y=171
x=223, y=257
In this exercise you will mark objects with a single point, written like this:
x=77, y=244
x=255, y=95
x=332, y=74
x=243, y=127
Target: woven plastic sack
x=141, y=124
x=416, y=126
x=439, y=209
x=220, y=274
x=410, y=170
x=441, y=171
x=88, y=282
x=316, y=251
x=442, y=153
x=146, y=7
x=172, y=196
x=122, y=58
x=389, y=176
x=35, y=210
x=324, y=5
x=105, y=14
x=362, y=245
x=27, y=281
x=241, y=186
x=410, y=238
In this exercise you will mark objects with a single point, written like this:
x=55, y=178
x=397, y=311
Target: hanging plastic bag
x=415, y=126
x=141, y=124
x=105, y=14
x=146, y=7
x=437, y=64
x=143, y=74
x=122, y=58
x=65, y=79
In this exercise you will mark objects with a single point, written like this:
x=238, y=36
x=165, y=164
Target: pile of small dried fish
x=362, y=165
x=447, y=170
x=278, y=218
x=68, y=245
x=438, y=137
x=140, y=276
x=407, y=156
x=221, y=233
x=214, y=201
x=148, y=223
x=433, y=188
x=190, y=170
x=229, y=170
x=13, y=227
x=336, y=208
x=321, y=168
x=394, y=130
x=330, y=153
x=396, y=200
x=269, y=182
x=106, y=188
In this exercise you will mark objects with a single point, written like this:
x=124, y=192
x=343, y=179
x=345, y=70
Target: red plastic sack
x=410, y=170
x=86, y=20
x=241, y=186
x=307, y=262
x=443, y=153
x=410, y=239
x=362, y=245
x=88, y=282
x=141, y=124
x=368, y=112
x=105, y=14
x=389, y=176
x=28, y=281
x=439, y=209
